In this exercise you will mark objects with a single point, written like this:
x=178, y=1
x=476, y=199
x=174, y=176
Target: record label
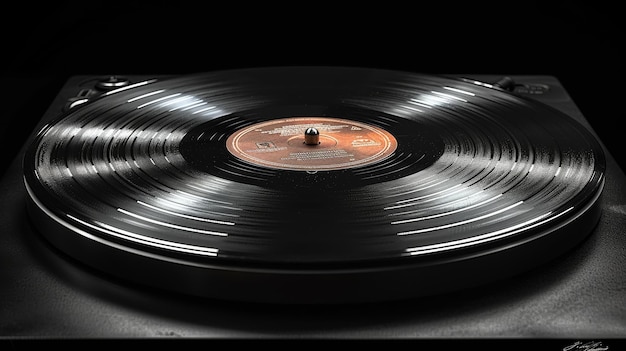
x=283, y=144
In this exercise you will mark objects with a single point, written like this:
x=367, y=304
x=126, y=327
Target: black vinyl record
x=313, y=184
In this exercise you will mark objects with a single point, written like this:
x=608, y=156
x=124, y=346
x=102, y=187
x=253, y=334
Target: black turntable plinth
x=315, y=202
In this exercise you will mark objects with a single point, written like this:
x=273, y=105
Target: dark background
x=578, y=42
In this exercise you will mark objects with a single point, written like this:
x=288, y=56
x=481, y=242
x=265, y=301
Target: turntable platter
x=313, y=184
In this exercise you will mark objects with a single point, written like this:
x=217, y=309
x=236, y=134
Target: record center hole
x=311, y=136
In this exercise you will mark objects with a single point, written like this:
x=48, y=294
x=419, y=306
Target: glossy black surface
x=490, y=173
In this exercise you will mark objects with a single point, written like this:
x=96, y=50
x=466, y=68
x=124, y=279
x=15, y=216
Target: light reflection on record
x=464, y=170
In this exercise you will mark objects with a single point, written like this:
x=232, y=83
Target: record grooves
x=205, y=184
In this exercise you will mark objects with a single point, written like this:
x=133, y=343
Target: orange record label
x=283, y=144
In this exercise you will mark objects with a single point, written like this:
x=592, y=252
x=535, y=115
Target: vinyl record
x=313, y=184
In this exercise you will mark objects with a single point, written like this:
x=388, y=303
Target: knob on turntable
x=311, y=136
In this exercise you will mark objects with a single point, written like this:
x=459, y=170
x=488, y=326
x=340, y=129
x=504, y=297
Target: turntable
x=345, y=202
